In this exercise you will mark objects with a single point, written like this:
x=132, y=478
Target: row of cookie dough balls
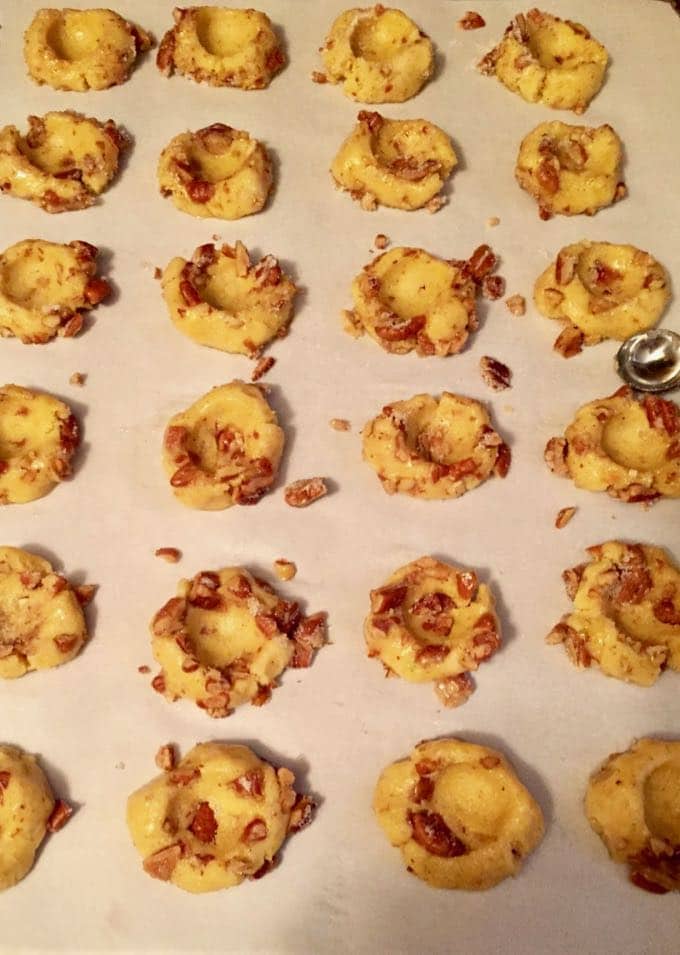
x=66, y=160
x=457, y=812
x=377, y=54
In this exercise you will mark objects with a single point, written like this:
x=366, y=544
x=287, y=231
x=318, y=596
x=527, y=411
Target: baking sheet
x=97, y=723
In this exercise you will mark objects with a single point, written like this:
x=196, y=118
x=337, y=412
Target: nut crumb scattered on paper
x=340, y=424
x=77, y=378
x=284, y=569
x=169, y=554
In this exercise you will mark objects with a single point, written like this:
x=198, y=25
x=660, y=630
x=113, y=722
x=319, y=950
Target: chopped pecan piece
x=503, y=460
x=387, y=598
x=310, y=634
x=162, y=864
x=466, y=584
x=432, y=654
x=431, y=832
x=564, y=515
x=471, y=21
x=516, y=304
x=165, y=757
x=199, y=190
x=169, y=554
x=59, y=816
x=454, y=690
x=481, y=263
x=182, y=777
x=340, y=424
x=204, y=824
x=255, y=831
x=661, y=414
x=318, y=77
x=77, y=378
x=494, y=373
x=489, y=762
x=572, y=577
x=381, y=241
x=555, y=456
x=250, y=784
x=85, y=593
x=569, y=342
x=284, y=569
x=262, y=367
x=303, y=492
x=493, y=287
x=399, y=329
x=565, y=267
x=666, y=611
x=301, y=813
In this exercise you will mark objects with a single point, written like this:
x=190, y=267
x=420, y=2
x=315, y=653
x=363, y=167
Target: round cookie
x=45, y=288
x=548, y=60
x=434, y=448
x=226, y=638
x=224, y=449
x=38, y=437
x=221, y=300
x=407, y=299
x=600, y=290
x=570, y=170
x=216, y=172
x=220, y=816
x=64, y=161
x=633, y=804
x=402, y=163
x=624, y=445
x=222, y=47
x=458, y=813
x=41, y=619
x=626, y=613
x=82, y=49
x=378, y=54
x=26, y=804
x=433, y=622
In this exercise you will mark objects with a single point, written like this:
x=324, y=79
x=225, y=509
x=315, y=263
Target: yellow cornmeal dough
x=219, y=817
x=225, y=449
x=401, y=163
x=46, y=287
x=633, y=804
x=431, y=622
x=548, y=60
x=41, y=620
x=216, y=172
x=221, y=300
x=458, y=813
x=38, y=437
x=63, y=163
x=407, y=299
x=570, y=170
x=626, y=614
x=601, y=290
x=434, y=448
x=222, y=47
x=82, y=49
x=226, y=638
x=378, y=54
x=623, y=445
x=26, y=803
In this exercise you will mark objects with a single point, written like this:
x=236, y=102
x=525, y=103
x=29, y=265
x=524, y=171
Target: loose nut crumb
x=493, y=221
x=165, y=757
x=157, y=274
x=368, y=202
x=471, y=21
x=494, y=373
x=85, y=593
x=77, y=378
x=144, y=669
x=493, y=286
x=304, y=492
x=284, y=569
x=170, y=554
x=564, y=516
x=318, y=77
x=340, y=424
x=262, y=367
x=381, y=241
x=350, y=324
x=516, y=304
x=434, y=205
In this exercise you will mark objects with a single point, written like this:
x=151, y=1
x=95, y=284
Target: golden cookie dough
x=548, y=60
x=626, y=613
x=221, y=300
x=458, y=813
x=82, y=49
x=45, y=288
x=26, y=804
x=41, y=619
x=402, y=163
x=216, y=172
x=226, y=638
x=434, y=448
x=378, y=54
x=633, y=804
x=407, y=299
x=600, y=290
x=38, y=437
x=431, y=622
x=570, y=170
x=624, y=445
x=224, y=449
x=63, y=163
x=222, y=47
x=220, y=816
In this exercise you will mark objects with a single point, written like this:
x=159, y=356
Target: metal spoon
x=650, y=361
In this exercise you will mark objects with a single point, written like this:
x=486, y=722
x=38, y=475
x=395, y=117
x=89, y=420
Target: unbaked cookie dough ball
x=38, y=437
x=378, y=55
x=216, y=172
x=222, y=300
x=459, y=815
x=222, y=47
x=46, y=288
x=624, y=445
x=64, y=161
x=216, y=818
x=402, y=163
x=82, y=49
x=226, y=638
x=434, y=448
x=633, y=804
x=547, y=60
x=431, y=622
x=42, y=623
x=600, y=290
x=225, y=449
x=570, y=170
